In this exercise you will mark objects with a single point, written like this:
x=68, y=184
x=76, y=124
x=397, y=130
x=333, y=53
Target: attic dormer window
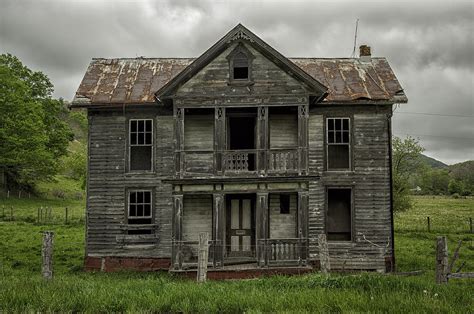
x=241, y=67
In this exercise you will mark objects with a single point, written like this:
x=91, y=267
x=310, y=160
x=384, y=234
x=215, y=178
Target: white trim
x=129, y=144
x=349, y=143
x=128, y=204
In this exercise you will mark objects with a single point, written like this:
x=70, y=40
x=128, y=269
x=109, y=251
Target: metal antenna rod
x=355, y=39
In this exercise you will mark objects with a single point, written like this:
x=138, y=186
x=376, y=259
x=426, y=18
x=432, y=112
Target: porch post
x=219, y=228
x=303, y=202
x=179, y=140
x=219, y=139
x=303, y=115
x=262, y=139
x=176, y=238
x=261, y=224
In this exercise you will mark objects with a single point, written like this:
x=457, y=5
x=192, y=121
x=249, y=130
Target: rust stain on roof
x=135, y=80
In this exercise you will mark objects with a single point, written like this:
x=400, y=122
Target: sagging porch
x=247, y=230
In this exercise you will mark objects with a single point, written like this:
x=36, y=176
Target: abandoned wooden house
x=263, y=152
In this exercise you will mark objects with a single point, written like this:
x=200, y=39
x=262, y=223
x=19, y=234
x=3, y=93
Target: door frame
x=228, y=200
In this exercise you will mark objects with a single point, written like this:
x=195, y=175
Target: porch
x=246, y=230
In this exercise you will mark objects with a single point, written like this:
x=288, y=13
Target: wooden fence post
x=66, y=215
x=324, y=254
x=47, y=255
x=470, y=224
x=38, y=219
x=428, y=222
x=11, y=213
x=441, y=260
x=3, y=211
x=203, y=256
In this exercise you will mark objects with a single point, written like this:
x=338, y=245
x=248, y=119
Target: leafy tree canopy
x=33, y=135
x=405, y=160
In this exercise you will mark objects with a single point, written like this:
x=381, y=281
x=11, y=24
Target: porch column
x=219, y=139
x=303, y=204
x=303, y=116
x=179, y=140
x=262, y=139
x=261, y=226
x=176, y=237
x=219, y=229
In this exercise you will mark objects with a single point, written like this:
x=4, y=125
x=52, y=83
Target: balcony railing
x=290, y=251
x=274, y=161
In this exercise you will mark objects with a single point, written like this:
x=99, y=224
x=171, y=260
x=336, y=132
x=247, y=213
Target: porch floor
x=244, y=271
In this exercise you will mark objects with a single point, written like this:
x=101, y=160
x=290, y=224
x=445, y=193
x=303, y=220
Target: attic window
x=241, y=67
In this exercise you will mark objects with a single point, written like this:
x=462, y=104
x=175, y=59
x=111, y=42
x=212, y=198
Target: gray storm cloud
x=430, y=46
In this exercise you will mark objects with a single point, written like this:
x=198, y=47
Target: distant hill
x=463, y=171
x=433, y=163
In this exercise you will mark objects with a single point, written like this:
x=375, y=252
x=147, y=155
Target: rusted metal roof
x=135, y=80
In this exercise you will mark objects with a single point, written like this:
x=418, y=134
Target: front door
x=240, y=227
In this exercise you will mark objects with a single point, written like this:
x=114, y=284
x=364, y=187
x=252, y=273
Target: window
x=338, y=143
x=241, y=66
x=141, y=144
x=139, y=207
x=284, y=203
x=339, y=222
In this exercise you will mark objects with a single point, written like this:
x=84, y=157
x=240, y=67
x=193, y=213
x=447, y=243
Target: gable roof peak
x=241, y=33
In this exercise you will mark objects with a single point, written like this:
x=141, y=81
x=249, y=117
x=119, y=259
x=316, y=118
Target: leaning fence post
x=324, y=254
x=203, y=256
x=441, y=260
x=47, y=255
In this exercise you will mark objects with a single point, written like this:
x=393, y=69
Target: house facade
x=262, y=152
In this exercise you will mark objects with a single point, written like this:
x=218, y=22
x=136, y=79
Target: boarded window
x=241, y=67
x=338, y=143
x=141, y=144
x=339, y=215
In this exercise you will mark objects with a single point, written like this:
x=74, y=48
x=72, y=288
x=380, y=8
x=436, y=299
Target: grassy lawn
x=22, y=288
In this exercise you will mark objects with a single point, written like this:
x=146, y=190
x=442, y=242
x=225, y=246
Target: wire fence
x=50, y=215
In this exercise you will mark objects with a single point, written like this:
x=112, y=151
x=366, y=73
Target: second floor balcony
x=241, y=142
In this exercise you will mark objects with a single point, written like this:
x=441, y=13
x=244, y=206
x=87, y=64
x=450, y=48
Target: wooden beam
x=179, y=140
x=303, y=202
x=303, y=116
x=203, y=255
x=219, y=229
x=262, y=139
x=324, y=254
x=441, y=260
x=219, y=138
x=177, y=231
x=261, y=226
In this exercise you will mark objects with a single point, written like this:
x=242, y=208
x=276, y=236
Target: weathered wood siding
x=283, y=130
x=370, y=183
x=213, y=79
x=282, y=226
x=109, y=182
x=197, y=216
x=199, y=132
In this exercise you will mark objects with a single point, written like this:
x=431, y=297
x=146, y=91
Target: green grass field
x=22, y=288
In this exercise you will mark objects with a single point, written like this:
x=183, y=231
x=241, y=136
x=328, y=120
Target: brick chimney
x=364, y=53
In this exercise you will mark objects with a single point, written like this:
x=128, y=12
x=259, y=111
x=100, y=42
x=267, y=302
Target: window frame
x=129, y=145
x=240, y=48
x=327, y=144
x=352, y=213
x=127, y=209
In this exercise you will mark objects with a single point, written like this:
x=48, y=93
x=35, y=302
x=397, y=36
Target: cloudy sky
x=430, y=46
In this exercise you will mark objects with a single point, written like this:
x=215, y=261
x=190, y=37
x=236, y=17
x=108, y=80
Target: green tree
x=405, y=161
x=32, y=135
